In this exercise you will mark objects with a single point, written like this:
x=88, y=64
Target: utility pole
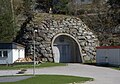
x=34, y=51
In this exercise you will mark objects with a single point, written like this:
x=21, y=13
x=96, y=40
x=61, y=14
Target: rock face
x=49, y=28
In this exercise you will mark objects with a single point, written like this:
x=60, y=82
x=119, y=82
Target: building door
x=62, y=53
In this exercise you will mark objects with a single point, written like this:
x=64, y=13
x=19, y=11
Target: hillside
x=10, y=26
x=107, y=36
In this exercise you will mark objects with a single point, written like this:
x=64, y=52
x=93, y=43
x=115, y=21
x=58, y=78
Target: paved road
x=100, y=74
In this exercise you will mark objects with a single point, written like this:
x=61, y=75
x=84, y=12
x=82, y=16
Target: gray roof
x=12, y=45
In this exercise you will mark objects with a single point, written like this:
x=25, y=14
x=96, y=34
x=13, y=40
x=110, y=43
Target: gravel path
x=101, y=75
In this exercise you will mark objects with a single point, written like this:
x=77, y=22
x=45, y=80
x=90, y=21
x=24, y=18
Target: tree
x=6, y=21
x=23, y=7
x=43, y=5
x=104, y=21
x=114, y=11
x=60, y=6
x=9, y=10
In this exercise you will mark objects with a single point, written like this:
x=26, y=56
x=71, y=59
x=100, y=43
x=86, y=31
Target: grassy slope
x=52, y=79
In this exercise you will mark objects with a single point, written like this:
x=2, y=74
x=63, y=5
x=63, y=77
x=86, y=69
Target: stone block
x=50, y=59
x=86, y=58
x=78, y=23
x=74, y=24
x=87, y=48
x=73, y=30
x=81, y=38
x=88, y=37
x=90, y=41
x=82, y=43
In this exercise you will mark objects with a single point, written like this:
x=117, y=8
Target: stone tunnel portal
x=66, y=50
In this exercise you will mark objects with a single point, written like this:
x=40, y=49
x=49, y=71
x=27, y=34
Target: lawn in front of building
x=26, y=66
x=52, y=79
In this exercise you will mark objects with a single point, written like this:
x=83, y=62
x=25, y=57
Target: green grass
x=51, y=79
x=117, y=68
x=26, y=66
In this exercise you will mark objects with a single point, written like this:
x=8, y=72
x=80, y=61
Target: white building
x=10, y=52
x=108, y=54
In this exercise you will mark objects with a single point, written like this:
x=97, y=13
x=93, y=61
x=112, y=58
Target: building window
x=5, y=54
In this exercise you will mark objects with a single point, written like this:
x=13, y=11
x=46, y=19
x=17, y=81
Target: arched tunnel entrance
x=66, y=50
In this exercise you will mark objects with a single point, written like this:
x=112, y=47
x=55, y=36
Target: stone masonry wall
x=49, y=28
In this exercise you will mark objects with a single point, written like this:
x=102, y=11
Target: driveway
x=101, y=75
